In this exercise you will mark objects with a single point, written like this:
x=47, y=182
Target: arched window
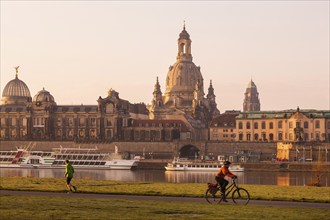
x=240, y=125
x=256, y=137
x=248, y=125
x=271, y=125
x=255, y=125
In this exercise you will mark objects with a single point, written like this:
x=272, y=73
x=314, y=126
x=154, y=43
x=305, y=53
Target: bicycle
x=240, y=196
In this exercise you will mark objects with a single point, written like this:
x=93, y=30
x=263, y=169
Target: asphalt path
x=162, y=198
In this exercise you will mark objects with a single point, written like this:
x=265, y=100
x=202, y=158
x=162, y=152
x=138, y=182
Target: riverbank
x=262, y=166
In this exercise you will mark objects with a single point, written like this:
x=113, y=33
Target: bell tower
x=184, y=46
x=251, y=100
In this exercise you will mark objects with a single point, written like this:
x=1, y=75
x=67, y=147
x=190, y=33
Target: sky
x=78, y=50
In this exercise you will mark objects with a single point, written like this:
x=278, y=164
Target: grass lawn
x=31, y=207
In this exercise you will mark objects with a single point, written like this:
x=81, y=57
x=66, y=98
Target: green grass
x=55, y=207
x=39, y=208
x=257, y=192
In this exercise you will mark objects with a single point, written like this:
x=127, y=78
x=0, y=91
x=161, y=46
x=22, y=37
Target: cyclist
x=220, y=178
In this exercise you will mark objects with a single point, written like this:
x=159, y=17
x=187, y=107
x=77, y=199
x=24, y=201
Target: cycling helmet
x=226, y=162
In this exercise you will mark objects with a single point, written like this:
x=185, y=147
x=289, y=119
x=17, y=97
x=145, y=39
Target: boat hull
x=200, y=167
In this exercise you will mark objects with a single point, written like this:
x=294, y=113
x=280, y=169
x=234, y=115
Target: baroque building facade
x=284, y=126
x=40, y=118
x=181, y=113
x=184, y=98
x=289, y=126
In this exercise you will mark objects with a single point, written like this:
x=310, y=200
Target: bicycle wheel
x=241, y=196
x=213, y=195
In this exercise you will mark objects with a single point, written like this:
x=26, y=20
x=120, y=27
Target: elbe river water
x=247, y=177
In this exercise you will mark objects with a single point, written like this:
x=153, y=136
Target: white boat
x=189, y=165
x=91, y=158
x=24, y=158
x=88, y=158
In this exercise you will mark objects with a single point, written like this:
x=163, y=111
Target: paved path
x=162, y=198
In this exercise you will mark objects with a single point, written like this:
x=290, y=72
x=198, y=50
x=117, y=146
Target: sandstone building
x=181, y=113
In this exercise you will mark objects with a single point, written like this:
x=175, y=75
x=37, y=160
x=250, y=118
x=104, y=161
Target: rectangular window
x=93, y=122
x=280, y=124
x=297, y=124
x=317, y=124
x=317, y=136
x=263, y=125
x=256, y=125
x=290, y=124
x=59, y=122
x=82, y=121
x=271, y=125
x=24, y=122
x=109, y=124
x=70, y=121
x=3, y=122
x=306, y=124
x=306, y=136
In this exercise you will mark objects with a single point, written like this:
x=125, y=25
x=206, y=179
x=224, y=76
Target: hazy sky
x=77, y=50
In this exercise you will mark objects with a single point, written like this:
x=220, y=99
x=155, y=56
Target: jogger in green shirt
x=69, y=171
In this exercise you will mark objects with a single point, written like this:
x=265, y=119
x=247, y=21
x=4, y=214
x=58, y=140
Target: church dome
x=16, y=92
x=43, y=96
x=183, y=75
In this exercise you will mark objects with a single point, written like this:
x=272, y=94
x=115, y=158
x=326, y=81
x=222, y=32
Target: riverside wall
x=156, y=150
x=163, y=152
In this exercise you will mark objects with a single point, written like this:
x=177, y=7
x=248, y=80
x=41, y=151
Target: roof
x=160, y=123
x=284, y=114
x=225, y=120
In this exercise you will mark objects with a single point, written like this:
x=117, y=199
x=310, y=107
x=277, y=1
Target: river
x=247, y=177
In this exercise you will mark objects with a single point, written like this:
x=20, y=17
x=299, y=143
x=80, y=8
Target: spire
x=184, y=25
x=157, y=86
x=16, y=68
x=211, y=90
x=157, y=95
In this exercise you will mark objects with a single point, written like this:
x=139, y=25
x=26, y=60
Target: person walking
x=69, y=171
x=220, y=178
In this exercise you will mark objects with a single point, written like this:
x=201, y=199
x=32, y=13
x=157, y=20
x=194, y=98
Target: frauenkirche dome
x=183, y=76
